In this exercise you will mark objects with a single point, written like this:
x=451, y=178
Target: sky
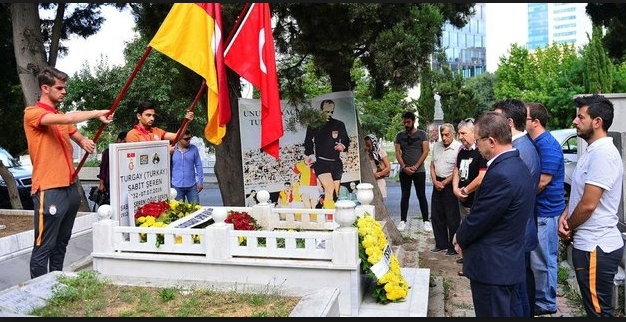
x=108, y=43
x=506, y=24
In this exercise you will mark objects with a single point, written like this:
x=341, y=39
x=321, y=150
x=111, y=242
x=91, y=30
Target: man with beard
x=590, y=219
x=145, y=130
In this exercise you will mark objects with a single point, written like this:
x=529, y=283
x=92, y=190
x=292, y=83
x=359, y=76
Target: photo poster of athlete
x=263, y=172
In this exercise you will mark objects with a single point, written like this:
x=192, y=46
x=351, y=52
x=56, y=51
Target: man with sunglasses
x=412, y=148
x=187, y=173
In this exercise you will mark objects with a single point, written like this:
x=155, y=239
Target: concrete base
x=415, y=305
x=21, y=299
x=15, y=250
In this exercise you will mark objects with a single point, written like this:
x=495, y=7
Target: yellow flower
x=392, y=286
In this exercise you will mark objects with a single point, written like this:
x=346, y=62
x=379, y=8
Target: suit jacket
x=492, y=236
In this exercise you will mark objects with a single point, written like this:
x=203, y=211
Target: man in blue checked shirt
x=187, y=175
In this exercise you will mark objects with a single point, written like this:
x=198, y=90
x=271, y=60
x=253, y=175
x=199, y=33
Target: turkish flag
x=251, y=55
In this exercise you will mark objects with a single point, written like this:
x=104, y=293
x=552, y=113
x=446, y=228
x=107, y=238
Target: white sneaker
x=427, y=226
x=402, y=226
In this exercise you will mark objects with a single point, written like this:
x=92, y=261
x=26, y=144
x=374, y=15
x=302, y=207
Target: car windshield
x=7, y=159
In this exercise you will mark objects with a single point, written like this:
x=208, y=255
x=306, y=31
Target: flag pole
x=114, y=105
x=191, y=108
x=240, y=17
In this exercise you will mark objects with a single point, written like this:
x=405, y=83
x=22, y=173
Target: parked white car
x=569, y=144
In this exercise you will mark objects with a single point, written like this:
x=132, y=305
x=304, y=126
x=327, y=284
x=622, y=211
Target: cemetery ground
x=449, y=294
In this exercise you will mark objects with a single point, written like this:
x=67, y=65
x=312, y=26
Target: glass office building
x=557, y=23
x=465, y=47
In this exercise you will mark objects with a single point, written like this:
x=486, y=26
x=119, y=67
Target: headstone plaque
x=140, y=173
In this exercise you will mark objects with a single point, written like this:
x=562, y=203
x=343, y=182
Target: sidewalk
x=458, y=301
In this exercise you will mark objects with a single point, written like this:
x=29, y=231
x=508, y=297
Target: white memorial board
x=139, y=171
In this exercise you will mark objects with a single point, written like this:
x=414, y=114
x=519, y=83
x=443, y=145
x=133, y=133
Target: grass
x=446, y=289
x=87, y=295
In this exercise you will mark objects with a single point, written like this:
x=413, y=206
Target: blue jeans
x=188, y=193
x=544, y=262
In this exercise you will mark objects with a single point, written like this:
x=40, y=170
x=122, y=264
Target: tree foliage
x=551, y=76
x=426, y=100
x=598, y=72
x=482, y=86
x=612, y=16
x=11, y=96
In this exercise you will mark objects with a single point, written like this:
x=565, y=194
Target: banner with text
x=261, y=171
x=139, y=173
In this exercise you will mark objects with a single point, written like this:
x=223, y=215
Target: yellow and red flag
x=191, y=34
x=251, y=55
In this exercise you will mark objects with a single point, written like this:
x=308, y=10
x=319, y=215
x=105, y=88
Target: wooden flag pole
x=191, y=108
x=114, y=106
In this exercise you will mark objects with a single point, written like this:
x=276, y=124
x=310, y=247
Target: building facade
x=465, y=47
x=557, y=23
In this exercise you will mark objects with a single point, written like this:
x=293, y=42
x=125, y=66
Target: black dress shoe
x=460, y=260
x=541, y=311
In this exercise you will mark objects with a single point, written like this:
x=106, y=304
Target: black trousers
x=418, y=179
x=55, y=212
x=599, y=268
x=445, y=216
x=495, y=300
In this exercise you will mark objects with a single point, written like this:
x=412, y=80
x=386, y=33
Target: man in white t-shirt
x=590, y=219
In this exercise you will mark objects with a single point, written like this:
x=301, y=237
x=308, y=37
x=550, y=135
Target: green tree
x=482, y=86
x=611, y=16
x=551, y=76
x=598, y=75
x=457, y=100
x=11, y=97
x=38, y=42
x=426, y=101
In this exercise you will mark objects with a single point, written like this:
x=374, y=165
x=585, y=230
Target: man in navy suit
x=491, y=238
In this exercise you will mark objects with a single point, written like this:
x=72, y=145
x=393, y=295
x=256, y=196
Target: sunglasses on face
x=186, y=139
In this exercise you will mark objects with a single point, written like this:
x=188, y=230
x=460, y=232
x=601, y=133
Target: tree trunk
x=228, y=165
x=367, y=175
x=14, y=196
x=30, y=58
x=30, y=55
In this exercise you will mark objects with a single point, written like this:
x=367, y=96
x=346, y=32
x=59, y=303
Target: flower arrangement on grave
x=241, y=220
x=161, y=213
x=379, y=263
